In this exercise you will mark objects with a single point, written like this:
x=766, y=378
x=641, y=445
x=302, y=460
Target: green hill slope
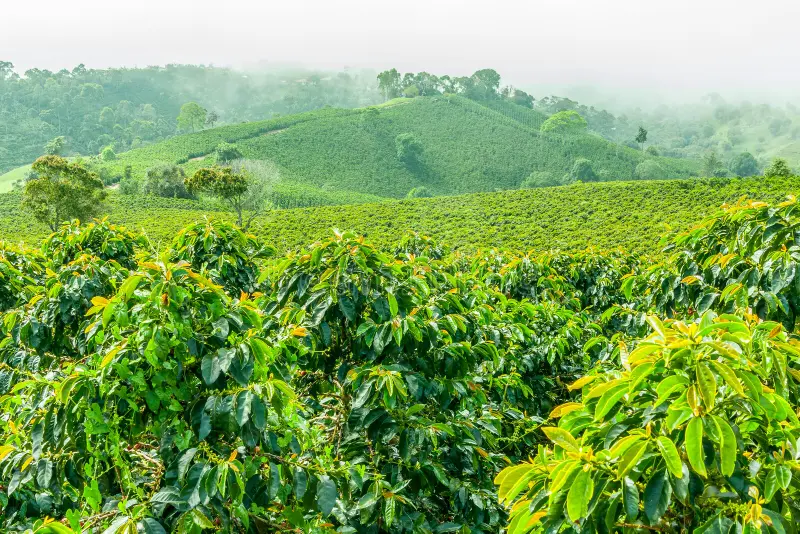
x=466, y=147
x=606, y=215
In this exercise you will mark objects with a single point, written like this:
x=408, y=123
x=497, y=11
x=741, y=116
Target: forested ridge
x=125, y=108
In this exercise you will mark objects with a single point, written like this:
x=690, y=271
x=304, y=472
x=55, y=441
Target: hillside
x=463, y=147
x=631, y=215
x=129, y=107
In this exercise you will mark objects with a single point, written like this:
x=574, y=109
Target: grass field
x=7, y=180
x=606, y=215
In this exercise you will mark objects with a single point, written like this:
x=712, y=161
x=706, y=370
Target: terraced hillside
x=459, y=146
x=605, y=215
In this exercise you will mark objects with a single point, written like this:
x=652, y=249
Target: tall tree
x=192, y=117
x=55, y=146
x=389, y=84
x=744, y=165
x=244, y=193
x=641, y=137
x=62, y=191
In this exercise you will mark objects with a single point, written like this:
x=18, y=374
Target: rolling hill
x=606, y=215
x=464, y=147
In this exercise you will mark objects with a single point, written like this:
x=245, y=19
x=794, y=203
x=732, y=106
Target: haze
x=674, y=46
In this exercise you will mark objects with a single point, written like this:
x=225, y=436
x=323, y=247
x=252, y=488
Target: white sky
x=664, y=44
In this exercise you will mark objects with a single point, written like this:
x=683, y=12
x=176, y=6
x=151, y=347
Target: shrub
x=166, y=181
x=564, y=122
x=227, y=152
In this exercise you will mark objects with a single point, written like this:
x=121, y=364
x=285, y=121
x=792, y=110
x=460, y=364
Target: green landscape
x=281, y=292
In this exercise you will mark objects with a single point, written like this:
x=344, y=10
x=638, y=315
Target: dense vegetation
x=606, y=215
x=91, y=109
x=460, y=146
x=713, y=130
x=213, y=384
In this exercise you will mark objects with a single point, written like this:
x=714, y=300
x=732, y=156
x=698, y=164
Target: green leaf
x=729, y=376
x=670, y=454
x=326, y=495
x=211, y=368
x=657, y=496
x=727, y=448
x=707, y=384
x=694, y=446
x=562, y=438
x=393, y=309
x=389, y=510
x=151, y=526
x=244, y=402
x=630, y=498
x=347, y=307
x=580, y=493
x=630, y=459
x=608, y=400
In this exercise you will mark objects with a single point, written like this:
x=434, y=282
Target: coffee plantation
x=216, y=384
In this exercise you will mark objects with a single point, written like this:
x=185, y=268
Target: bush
x=582, y=170
x=650, y=170
x=419, y=192
x=564, y=122
x=227, y=152
x=108, y=154
x=166, y=181
x=778, y=168
x=539, y=179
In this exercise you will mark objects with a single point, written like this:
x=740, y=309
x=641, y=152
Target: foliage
x=108, y=154
x=582, y=170
x=744, y=165
x=55, y=146
x=192, y=117
x=650, y=170
x=606, y=215
x=409, y=149
x=641, y=137
x=468, y=147
x=142, y=103
x=564, y=122
x=345, y=389
x=166, y=181
x=539, y=179
x=419, y=192
x=778, y=167
x=227, y=152
x=62, y=191
x=243, y=194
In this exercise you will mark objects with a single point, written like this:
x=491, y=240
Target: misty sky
x=666, y=44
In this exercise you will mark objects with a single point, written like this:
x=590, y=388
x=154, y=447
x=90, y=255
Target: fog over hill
x=680, y=47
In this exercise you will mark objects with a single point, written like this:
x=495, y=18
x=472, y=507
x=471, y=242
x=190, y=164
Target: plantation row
x=631, y=215
x=215, y=384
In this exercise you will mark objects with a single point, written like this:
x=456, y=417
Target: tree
x=582, y=170
x=212, y=118
x=779, y=168
x=539, y=179
x=650, y=170
x=55, y=146
x=62, y=191
x=641, y=137
x=108, y=154
x=564, y=122
x=485, y=84
x=519, y=97
x=419, y=192
x=227, y=152
x=409, y=149
x=192, y=117
x=713, y=167
x=245, y=194
x=166, y=181
x=744, y=165
x=389, y=84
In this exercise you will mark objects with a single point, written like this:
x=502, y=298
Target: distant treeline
x=83, y=111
